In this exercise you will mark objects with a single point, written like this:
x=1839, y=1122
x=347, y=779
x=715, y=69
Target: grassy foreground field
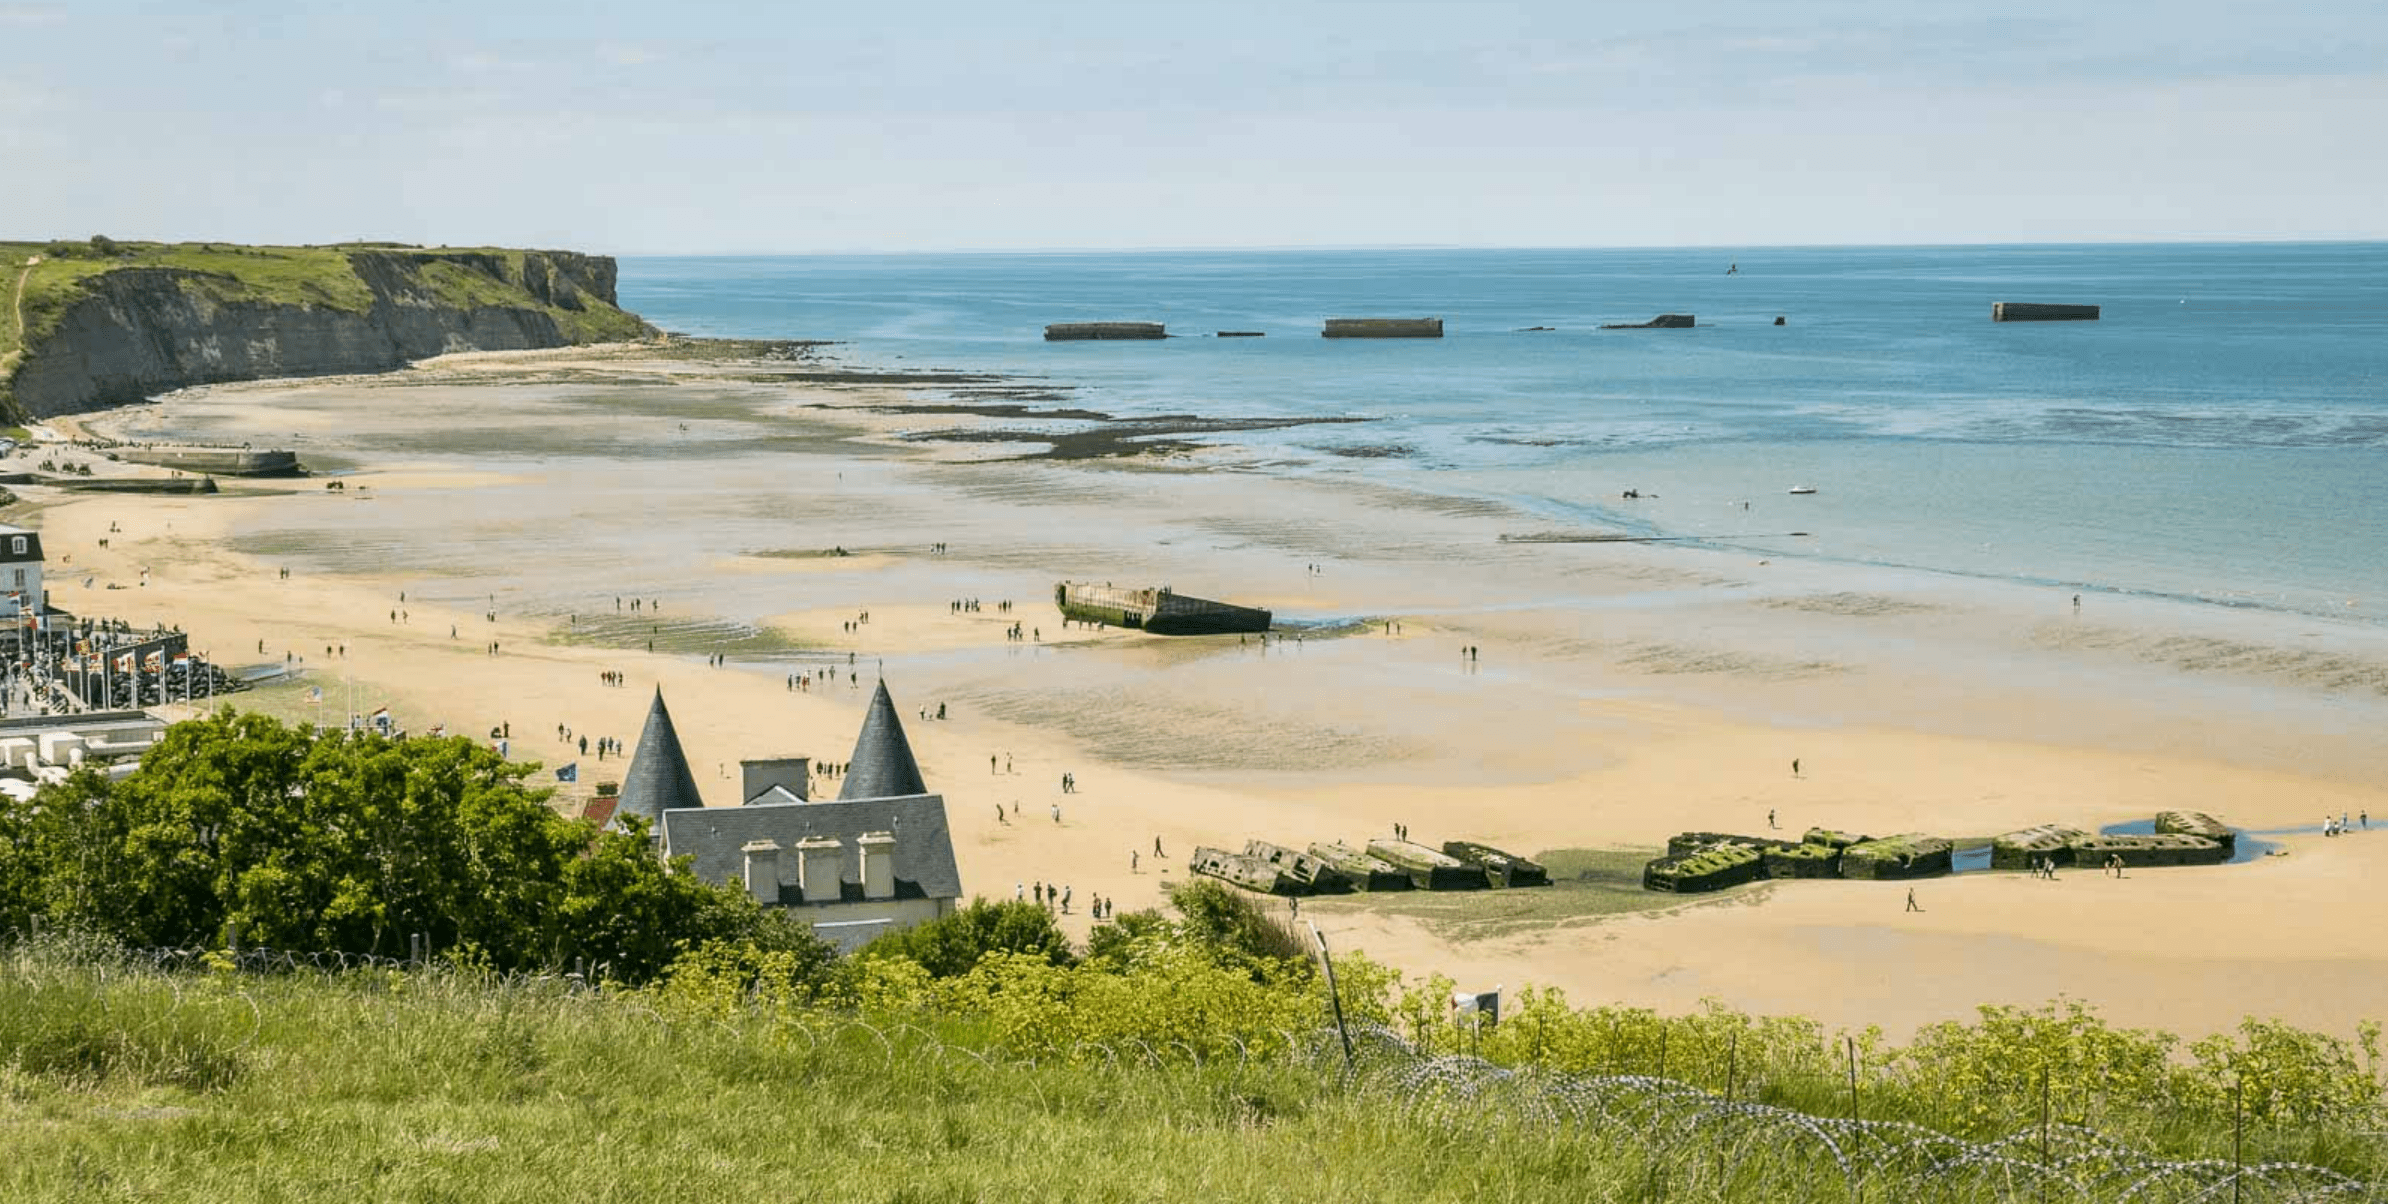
x=121, y=1082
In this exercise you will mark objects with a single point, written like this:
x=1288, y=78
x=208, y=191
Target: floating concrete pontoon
x=1661, y=322
x=1065, y=332
x=1383, y=328
x=2033, y=311
x=1712, y=868
x=217, y=461
x=2022, y=849
x=1363, y=871
x=1503, y=869
x=1160, y=610
x=2197, y=823
x=1314, y=875
x=1913, y=855
x=2140, y=851
x=1428, y=868
x=1251, y=873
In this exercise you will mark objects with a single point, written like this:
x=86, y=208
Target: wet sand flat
x=1623, y=692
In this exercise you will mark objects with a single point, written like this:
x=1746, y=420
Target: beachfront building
x=877, y=858
x=22, y=603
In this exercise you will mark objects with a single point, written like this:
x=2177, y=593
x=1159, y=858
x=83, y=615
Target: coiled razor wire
x=1694, y=1143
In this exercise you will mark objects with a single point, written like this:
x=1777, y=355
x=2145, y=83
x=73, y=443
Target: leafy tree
x=238, y=827
x=951, y=945
x=1233, y=923
x=1113, y=944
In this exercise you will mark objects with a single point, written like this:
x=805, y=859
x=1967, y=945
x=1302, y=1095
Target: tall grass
x=122, y=1082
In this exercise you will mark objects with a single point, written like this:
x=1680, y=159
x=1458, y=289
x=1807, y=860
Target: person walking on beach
x=1911, y=900
x=990, y=764
x=2076, y=604
x=1132, y=862
x=1770, y=819
x=1157, y=848
x=1794, y=767
x=1057, y=813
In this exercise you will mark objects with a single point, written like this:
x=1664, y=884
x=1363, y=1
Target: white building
x=22, y=601
x=876, y=859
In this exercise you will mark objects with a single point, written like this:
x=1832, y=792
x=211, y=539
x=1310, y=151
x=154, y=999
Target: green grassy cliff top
x=39, y=281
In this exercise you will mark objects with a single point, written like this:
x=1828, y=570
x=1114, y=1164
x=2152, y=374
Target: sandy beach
x=1623, y=692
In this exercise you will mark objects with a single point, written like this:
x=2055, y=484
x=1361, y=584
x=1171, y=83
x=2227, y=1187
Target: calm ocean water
x=2222, y=435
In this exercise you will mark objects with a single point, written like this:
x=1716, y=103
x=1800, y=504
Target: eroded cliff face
x=138, y=332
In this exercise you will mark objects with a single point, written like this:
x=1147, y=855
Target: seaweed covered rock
x=1713, y=868
x=1911, y=855
x=2027, y=847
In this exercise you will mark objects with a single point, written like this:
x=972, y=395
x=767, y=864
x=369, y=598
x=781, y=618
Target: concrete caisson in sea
x=1383, y=328
x=1066, y=332
x=1158, y=610
x=2034, y=311
x=1661, y=322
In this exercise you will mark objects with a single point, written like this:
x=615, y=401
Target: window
x=20, y=579
x=16, y=546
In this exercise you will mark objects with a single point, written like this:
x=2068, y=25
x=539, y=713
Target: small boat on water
x=1803, y=489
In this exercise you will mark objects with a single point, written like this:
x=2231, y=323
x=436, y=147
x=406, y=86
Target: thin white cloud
x=32, y=14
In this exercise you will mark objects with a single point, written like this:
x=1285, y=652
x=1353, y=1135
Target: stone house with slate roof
x=878, y=858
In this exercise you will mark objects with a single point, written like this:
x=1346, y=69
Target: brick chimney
x=793, y=773
x=762, y=869
x=878, y=864
x=819, y=862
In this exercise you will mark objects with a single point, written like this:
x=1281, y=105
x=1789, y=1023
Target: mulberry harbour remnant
x=1064, y=332
x=1158, y=610
x=1383, y=328
x=2033, y=311
x=1661, y=322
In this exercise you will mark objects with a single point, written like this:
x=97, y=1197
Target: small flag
x=568, y=773
x=1483, y=1004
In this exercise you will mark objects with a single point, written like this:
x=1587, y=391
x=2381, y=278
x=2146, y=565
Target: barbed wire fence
x=1689, y=1142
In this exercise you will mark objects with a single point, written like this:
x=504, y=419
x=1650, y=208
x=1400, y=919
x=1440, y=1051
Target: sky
x=696, y=127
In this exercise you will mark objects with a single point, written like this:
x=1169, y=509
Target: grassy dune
x=120, y=1082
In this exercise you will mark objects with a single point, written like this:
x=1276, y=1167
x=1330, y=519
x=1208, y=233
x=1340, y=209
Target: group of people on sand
x=970, y=606
x=635, y=603
x=1057, y=898
x=2340, y=826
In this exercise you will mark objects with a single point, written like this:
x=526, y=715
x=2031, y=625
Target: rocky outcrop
x=134, y=332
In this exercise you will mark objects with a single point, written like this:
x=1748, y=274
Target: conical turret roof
x=659, y=779
x=882, y=764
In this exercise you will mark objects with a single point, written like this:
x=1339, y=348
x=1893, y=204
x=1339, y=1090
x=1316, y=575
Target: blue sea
x=2221, y=435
